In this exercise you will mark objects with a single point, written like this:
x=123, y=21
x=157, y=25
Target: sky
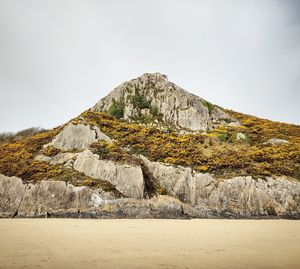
x=59, y=57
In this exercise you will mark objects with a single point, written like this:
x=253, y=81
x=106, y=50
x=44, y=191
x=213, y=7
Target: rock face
x=154, y=96
x=187, y=195
x=58, y=199
x=236, y=197
x=78, y=137
x=127, y=179
x=28, y=200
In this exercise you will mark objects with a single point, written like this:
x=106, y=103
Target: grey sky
x=57, y=58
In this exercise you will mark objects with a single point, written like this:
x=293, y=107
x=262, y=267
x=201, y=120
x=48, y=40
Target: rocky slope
x=152, y=150
x=153, y=98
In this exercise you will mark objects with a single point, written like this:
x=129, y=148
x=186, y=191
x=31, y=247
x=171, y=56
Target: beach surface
x=92, y=243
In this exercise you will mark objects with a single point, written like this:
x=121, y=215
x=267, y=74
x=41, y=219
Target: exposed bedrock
x=77, y=136
x=175, y=105
x=237, y=197
x=58, y=199
x=188, y=195
x=128, y=179
x=28, y=200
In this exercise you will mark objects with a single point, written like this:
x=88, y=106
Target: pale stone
x=276, y=141
x=77, y=137
x=11, y=194
x=178, y=107
x=240, y=136
x=27, y=200
x=238, y=196
x=127, y=179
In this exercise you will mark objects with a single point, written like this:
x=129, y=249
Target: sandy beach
x=81, y=243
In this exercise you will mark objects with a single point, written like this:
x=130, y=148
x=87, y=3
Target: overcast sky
x=58, y=58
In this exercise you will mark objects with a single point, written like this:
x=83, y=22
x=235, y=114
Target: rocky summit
x=153, y=98
x=151, y=149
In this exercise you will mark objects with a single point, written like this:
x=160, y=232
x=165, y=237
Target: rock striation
x=58, y=199
x=127, y=179
x=187, y=195
x=236, y=197
x=153, y=96
x=35, y=200
x=78, y=137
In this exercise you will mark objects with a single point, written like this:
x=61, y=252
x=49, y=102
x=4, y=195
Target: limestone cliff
x=116, y=160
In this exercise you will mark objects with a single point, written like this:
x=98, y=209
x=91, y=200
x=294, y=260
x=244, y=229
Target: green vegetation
x=116, y=109
x=209, y=106
x=139, y=101
x=154, y=111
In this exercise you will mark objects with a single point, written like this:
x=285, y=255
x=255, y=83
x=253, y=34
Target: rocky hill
x=151, y=98
x=153, y=150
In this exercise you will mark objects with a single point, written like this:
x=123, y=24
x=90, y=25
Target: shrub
x=139, y=101
x=154, y=111
x=224, y=136
x=209, y=106
x=10, y=137
x=116, y=109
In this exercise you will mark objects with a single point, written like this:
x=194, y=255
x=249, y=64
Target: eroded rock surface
x=58, y=199
x=153, y=94
x=128, y=179
x=187, y=196
x=237, y=197
x=78, y=136
x=28, y=200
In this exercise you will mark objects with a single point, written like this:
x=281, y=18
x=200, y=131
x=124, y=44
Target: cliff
x=153, y=150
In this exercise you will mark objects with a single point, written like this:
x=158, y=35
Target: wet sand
x=67, y=243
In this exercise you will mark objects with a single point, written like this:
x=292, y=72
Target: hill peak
x=152, y=98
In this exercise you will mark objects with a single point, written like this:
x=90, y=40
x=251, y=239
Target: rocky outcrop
x=66, y=158
x=236, y=197
x=28, y=200
x=187, y=196
x=77, y=137
x=153, y=95
x=58, y=199
x=12, y=191
x=128, y=179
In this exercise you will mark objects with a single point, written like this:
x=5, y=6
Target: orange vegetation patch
x=217, y=152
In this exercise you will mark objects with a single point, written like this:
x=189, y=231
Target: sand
x=81, y=243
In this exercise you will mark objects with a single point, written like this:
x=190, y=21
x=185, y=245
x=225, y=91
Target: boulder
x=276, y=141
x=77, y=136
